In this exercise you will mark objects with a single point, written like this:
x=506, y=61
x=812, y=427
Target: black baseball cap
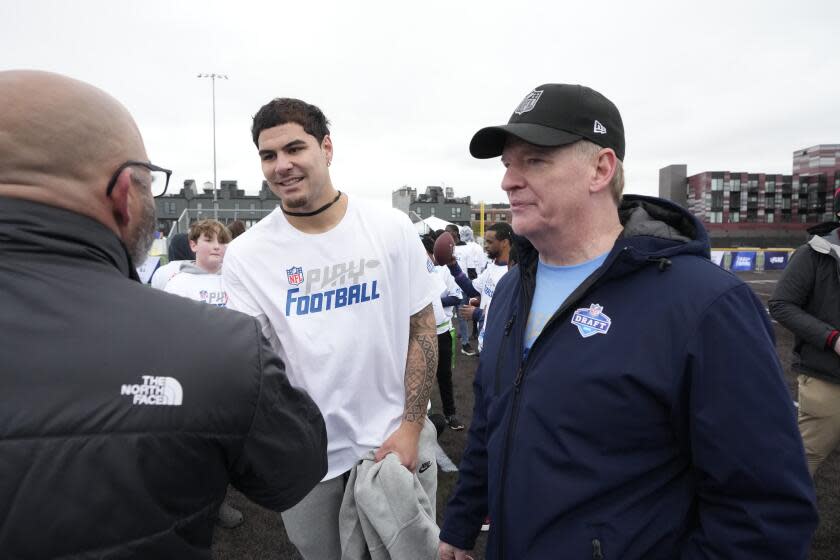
x=556, y=115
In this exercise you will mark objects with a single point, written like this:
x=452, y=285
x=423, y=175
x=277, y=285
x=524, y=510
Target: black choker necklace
x=314, y=212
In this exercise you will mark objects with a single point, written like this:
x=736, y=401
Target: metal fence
x=190, y=215
x=752, y=259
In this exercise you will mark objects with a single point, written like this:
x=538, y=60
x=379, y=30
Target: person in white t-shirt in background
x=477, y=259
x=450, y=295
x=178, y=252
x=462, y=255
x=201, y=280
x=476, y=262
x=342, y=289
x=497, y=243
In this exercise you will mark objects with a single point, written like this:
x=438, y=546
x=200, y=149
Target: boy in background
x=201, y=279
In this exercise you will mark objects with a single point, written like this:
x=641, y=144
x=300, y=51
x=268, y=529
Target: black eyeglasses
x=160, y=177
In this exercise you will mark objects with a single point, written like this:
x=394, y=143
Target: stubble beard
x=296, y=202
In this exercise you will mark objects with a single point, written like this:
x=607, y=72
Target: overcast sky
x=716, y=85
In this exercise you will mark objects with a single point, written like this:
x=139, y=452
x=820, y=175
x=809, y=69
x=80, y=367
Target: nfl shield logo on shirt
x=591, y=321
x=295, y=275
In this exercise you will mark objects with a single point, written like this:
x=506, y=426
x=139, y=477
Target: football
x=444, y=247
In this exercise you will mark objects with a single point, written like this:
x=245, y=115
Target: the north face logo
x=155, y=391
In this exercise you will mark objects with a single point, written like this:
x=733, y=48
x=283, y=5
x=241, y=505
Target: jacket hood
x=192, y=268
x=827, y=244
x=655, y=229
x=466, y=234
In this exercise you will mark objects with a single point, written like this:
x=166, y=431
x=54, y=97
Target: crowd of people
x=628, y=399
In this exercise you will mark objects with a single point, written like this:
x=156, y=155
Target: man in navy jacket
x=629, y=402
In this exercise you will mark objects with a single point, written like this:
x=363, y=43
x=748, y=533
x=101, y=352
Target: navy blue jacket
x=650, y=419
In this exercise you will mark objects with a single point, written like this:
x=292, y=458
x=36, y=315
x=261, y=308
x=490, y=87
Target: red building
x=759, y=209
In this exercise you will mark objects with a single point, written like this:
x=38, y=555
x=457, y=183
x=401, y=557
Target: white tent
x=432, y=223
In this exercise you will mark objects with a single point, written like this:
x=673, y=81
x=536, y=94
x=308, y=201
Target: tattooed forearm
x=421, y=364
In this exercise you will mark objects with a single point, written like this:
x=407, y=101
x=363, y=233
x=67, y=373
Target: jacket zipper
x=500, y=360
x=596, y=550
x=579, y=292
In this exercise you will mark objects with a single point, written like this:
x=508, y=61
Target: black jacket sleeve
x=791, y=295
x=285, y=451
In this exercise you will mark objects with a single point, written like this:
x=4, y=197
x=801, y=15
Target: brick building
x=759, y=209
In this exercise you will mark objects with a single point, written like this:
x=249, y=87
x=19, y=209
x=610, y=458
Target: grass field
x=261, y=536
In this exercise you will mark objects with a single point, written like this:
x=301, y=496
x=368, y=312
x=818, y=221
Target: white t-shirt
x=462, y=254
x=338, y=305
x=485, y=284
x=445, y=284
x=198, y=285
x=477, y=257
x=162, y=275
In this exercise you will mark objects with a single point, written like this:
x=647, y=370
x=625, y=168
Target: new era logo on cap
x=556, y=115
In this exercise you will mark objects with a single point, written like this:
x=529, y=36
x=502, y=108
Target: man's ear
x=120, y=196
x=604, y=170
x=193, y=245
x=326, y=145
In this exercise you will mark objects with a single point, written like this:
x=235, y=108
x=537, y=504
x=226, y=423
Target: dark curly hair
x=285, y=110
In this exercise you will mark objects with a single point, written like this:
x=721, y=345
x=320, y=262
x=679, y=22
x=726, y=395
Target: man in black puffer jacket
x=124, y=411
x=807, y=302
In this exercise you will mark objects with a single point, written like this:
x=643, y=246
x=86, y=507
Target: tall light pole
x=215, y=184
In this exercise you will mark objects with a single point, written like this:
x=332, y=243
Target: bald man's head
x=61, y=134
x=61, y=140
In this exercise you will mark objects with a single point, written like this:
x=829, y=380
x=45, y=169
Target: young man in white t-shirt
x=497, y=242
x=477, y=257
x=341, y=287
x=449, y=296
x=463, y=255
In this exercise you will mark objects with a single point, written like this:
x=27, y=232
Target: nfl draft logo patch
x=591, y=321
x=295, y=275
x=529, y=102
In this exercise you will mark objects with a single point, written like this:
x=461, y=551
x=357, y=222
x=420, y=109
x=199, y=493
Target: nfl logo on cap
x=556, y=115
x=529, y=102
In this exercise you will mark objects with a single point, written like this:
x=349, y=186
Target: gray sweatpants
x=312, y=525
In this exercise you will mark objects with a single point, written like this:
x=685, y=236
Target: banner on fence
x=775, y=260
x=743, y=261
